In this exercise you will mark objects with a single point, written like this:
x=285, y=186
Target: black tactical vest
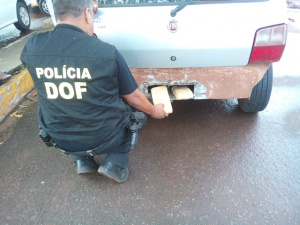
x=76, y=78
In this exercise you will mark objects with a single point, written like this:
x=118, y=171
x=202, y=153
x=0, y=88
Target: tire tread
x=260, y=95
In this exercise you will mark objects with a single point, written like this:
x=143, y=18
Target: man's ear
x=88, y=15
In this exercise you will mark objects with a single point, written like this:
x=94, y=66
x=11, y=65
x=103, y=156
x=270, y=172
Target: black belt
x=91, y=152
x=95, y=151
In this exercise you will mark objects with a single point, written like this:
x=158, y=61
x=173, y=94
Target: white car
x=15, y=12
x=43, y=6
x=216, y=49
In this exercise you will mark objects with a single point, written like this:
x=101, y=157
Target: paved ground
x=208, y=163
x=12, y=40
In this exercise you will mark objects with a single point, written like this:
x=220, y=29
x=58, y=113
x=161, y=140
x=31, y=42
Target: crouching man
x=82, y=85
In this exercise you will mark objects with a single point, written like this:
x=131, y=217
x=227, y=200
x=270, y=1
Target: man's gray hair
x=72, y=8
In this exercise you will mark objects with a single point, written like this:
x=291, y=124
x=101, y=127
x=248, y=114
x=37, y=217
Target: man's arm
x=134, y=97
x=139, y=101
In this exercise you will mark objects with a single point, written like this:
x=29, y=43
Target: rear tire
x=44, y=7
x=260, y=95
x=23, y=17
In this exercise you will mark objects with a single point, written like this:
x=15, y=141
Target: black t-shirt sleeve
x=127, y=83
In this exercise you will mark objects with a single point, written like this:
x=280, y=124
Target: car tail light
x=269, y=44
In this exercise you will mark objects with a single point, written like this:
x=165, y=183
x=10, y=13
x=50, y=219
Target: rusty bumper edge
x=208, y=82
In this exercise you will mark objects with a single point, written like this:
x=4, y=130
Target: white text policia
x=65, y=90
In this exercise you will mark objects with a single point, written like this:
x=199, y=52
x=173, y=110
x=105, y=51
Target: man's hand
x=159, y=112
x=139, y=101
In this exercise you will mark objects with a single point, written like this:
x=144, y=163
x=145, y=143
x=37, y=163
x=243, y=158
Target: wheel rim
x=45, y=7
x=24, y=16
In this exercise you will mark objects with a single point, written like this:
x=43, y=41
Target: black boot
x=85, y=165
x=113, y=171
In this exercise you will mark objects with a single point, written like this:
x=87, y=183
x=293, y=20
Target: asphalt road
x=207, y=163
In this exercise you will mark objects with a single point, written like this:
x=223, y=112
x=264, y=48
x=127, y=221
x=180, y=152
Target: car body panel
x=209, y=34
x=8, y=13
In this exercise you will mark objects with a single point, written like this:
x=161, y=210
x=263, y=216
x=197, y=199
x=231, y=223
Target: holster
x=138, y=119
x=46, y=138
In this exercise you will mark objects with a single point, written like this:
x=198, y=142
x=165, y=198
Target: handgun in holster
x=137, y=121
x=46, y=138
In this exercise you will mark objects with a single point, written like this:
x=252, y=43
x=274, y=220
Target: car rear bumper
x=205, y=82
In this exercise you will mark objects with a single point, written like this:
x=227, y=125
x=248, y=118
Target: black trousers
x=117, y=151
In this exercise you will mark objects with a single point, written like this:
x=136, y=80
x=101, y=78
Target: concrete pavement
x=13, y=91
x=10, y=54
